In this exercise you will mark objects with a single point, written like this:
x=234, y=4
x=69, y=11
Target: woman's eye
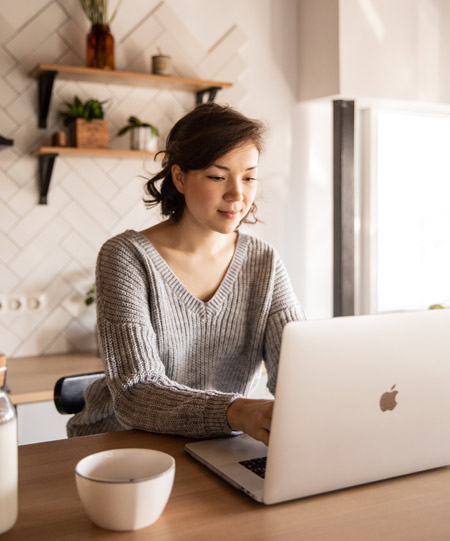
x=215, y=178
x=249, y=179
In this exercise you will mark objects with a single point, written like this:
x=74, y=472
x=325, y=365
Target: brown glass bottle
x=100, y=47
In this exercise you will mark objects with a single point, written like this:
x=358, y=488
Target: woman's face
x=219, y=197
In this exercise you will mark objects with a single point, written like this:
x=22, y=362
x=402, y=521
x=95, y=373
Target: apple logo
x=387, y=400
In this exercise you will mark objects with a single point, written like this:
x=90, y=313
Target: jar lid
x=7, y=411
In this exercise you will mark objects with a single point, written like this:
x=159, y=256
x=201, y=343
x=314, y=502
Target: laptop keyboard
x=256, y=465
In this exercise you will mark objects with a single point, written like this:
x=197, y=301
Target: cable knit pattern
x=174, y=363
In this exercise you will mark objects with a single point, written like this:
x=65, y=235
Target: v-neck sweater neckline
x=178, y=287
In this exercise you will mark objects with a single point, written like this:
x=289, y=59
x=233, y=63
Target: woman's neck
x=186, y=237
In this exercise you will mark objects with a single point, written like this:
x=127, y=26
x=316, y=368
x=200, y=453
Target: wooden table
x=204, y=507
x=32, y=379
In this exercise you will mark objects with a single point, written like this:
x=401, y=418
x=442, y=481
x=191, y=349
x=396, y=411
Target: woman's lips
x=230, y=214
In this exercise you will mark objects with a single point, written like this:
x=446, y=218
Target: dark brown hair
x=196, y=141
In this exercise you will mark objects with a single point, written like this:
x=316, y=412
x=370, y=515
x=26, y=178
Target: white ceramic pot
x=143, y=139
x=125, y=489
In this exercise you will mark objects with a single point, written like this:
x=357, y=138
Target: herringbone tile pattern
x=52, y=249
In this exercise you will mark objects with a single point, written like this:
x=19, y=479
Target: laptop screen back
x=359, y=399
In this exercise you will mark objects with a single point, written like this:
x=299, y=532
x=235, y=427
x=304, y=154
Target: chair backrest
x=68, y=393
x=2, y=371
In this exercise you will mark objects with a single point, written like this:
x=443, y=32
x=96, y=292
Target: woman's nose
x=234, y=191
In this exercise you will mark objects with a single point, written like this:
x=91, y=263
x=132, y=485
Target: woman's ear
x=178, y=178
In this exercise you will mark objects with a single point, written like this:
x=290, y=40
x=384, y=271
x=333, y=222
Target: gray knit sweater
x=174, y=363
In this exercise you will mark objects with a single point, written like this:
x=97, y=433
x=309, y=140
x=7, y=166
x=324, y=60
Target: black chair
x=68, y=393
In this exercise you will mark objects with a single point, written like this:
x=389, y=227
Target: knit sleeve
x=285, y=307
x=143, y=396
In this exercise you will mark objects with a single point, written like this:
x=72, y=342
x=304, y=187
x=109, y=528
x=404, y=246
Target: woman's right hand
x=252, y=416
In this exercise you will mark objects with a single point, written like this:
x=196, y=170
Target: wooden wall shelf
x=94, y=75
x=48, y=155
x=100, y=152
x=46, y=73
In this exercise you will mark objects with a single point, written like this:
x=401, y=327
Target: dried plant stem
x=97, y=11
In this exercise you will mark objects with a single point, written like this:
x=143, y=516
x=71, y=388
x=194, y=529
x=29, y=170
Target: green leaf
x=135, y=122
x=77, y=109
x=123, y=130
x=90, y=296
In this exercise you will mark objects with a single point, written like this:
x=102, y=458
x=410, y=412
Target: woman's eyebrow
x=227, y=168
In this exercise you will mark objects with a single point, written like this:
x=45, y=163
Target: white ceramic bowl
x=125, y=489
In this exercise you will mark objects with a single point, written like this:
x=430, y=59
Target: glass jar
x=8, y=463
x=100, y=47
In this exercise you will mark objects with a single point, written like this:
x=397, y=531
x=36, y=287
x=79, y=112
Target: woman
x=188, y=309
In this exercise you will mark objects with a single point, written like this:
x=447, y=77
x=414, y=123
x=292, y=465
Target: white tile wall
x=219, y=55
x=52, y=249
x=9, y=280
x=6, y=91
x=7, y=123
x=180, y=33
x=13, y=12
x=35, y=252
x=23, y=170
x=7, y=217
x=9, y=249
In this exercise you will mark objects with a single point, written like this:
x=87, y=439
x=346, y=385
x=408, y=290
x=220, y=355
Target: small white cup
x=125, y=489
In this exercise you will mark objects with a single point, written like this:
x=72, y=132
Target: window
x=405, y=255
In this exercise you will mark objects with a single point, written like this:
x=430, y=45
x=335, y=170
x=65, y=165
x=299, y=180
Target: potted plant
x=90, y=296
x=144, y=136
x=86, y=123
x=100, y=41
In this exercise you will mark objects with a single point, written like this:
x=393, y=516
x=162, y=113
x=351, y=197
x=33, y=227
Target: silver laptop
x=358, y=399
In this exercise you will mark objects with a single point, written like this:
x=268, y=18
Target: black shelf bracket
x=212, y=91
x=45, y=80
x=6, y=142
x=46, y=163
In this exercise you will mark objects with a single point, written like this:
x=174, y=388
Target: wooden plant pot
x=93, y=134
